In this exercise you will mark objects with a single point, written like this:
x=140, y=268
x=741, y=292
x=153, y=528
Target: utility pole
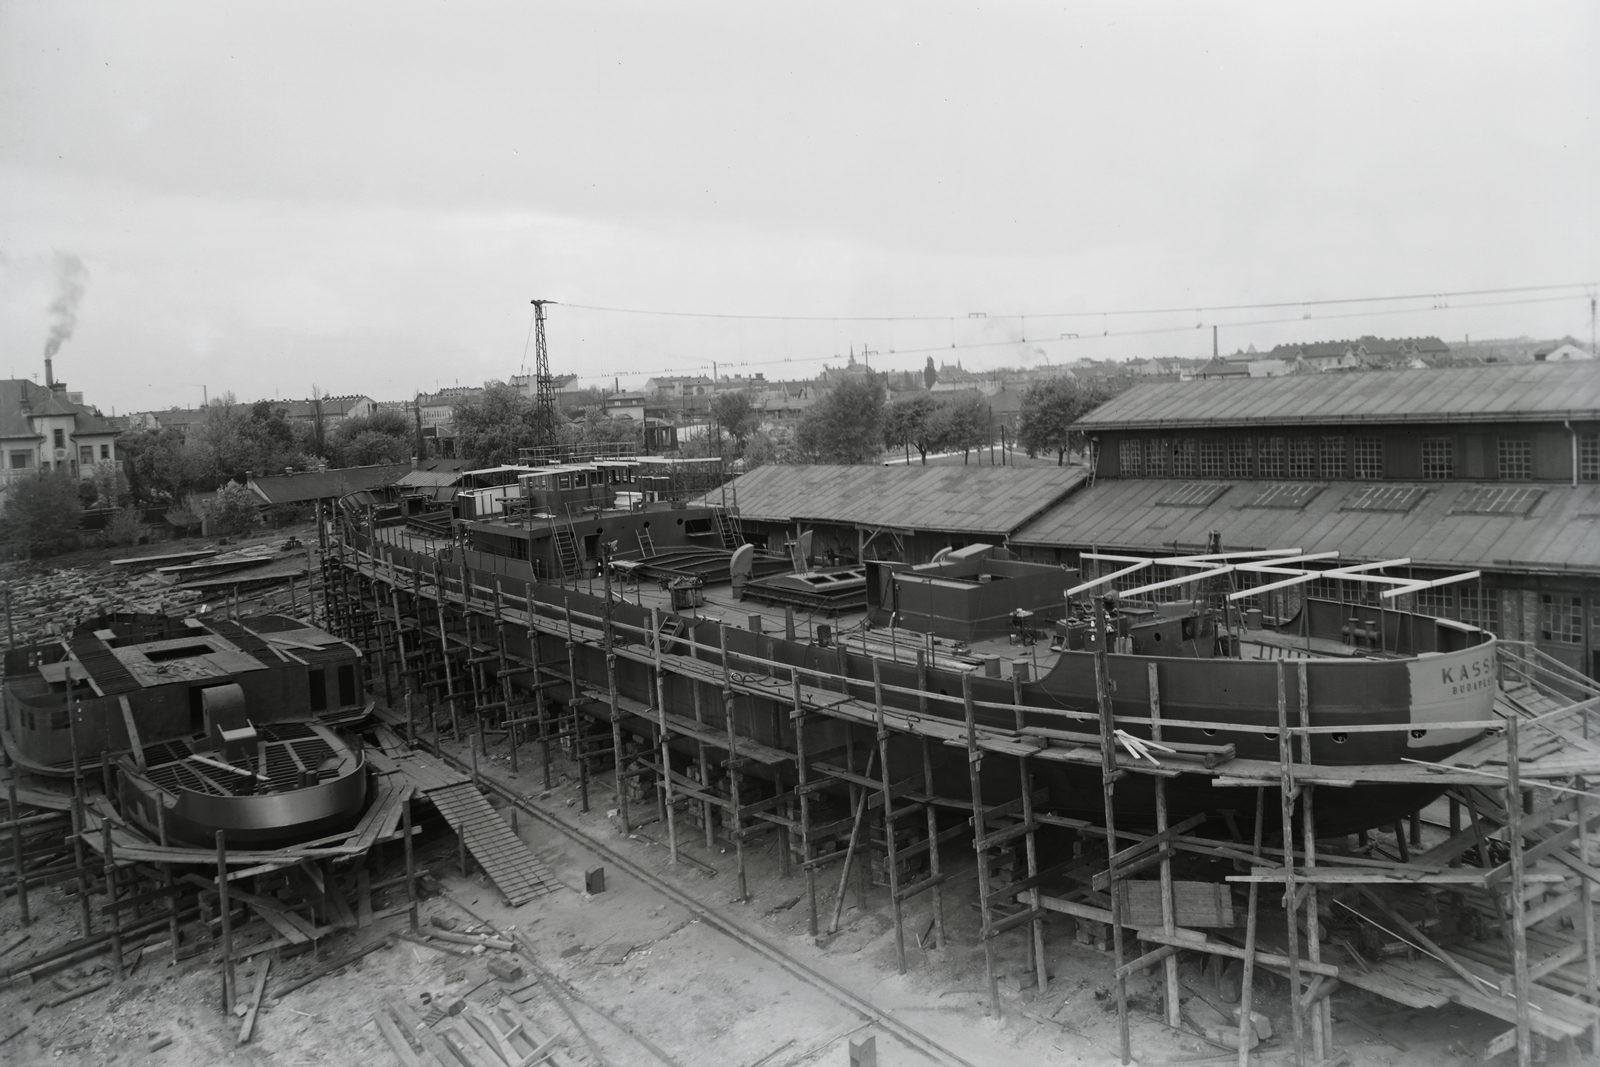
x=545, y=386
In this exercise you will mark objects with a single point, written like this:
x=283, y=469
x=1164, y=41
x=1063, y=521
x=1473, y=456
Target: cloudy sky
x=364, y=197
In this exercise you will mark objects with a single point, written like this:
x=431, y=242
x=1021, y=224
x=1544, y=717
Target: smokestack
x=49, y=376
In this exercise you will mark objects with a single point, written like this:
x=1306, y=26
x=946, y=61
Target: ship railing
x=754, y=670
x=1536, y=667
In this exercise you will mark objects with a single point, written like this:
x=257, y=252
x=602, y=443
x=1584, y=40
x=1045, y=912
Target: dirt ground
x=650, y=965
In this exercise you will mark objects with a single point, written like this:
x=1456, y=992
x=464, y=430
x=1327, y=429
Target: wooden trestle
x=445, y=638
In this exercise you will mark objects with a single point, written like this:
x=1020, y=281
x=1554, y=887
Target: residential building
x=45, y=427
x=439, y=409
x=1565, y=352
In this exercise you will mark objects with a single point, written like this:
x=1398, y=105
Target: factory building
x=897, y=513
x=1493, y=468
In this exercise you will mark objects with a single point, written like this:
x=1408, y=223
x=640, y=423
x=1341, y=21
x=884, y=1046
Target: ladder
x=566, y=547
x=647, y=544
x=727, y=527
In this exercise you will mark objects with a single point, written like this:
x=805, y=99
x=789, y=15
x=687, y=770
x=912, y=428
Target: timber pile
x=44, y=602
x=51, y=601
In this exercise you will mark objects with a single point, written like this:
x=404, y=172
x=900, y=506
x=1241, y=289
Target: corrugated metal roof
x=1561, y=532
x=320, y=485
x=986, y=500
x=430, y=478
x=1520, y=392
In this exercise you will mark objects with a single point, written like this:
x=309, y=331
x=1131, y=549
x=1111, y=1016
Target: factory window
x=1183, y=459
x=1333, y=457
x=105, y=451
x=318, y=682
x=1589, y=457
x=1440, y=602
x=347, y=684
x=21, y=460
x=1369, y=457
x=1239, y=457
x=1272, y=457
x=1211, y=452
x=85, y=455
x=1131, y=453
x=1438, y=458
x=1562, y=619
x=1302, y=457
x=1480, y=609
x=1516, y=459
x=1155, y=459
x=61, y=439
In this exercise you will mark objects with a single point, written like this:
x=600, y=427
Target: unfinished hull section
x=1221, y=692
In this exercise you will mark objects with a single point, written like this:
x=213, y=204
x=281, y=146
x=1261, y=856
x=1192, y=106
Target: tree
x=908, y=423
x=929, y=375
x=382, y=437
x=156, y=464
x=1049, y=408
x=492, y=427
x=124, y=528
x=42, y=512
x=736, y=416
x=598, y=428
x=110, y=485
x=373, y=446
x=846, y=426
x=962, y=422
x=234, y=508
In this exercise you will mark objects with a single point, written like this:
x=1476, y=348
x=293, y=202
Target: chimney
x=49, y=375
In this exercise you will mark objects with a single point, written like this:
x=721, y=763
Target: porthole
x=599, y=529
x=1419, y=733
x=647, y=524
x=680, y=522
x=1209, y=733
x=1340, y=739
x=1271, y=736
x=1156, y=636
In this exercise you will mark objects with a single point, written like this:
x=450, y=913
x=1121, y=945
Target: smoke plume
x=71, y=279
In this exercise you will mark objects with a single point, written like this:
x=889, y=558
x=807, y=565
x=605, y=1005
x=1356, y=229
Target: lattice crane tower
x=544, y=384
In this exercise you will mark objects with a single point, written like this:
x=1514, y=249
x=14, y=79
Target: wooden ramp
x=514, y=870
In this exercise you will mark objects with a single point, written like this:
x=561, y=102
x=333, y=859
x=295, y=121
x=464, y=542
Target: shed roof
x=430, y=478
x=1531, y=526
x=979, y=500
x=1524, y=392
x=322, y=485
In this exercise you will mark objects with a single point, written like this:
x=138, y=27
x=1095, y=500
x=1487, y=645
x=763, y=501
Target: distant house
x=44, y=427
x=527, y=386
x=331, y=410
x=1224, y=367
x=679, y=386
x=1566, y=352
x=439, y=409
x=626, y=406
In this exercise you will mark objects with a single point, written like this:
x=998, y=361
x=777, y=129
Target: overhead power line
x=1587, y=288
x=1143, y=332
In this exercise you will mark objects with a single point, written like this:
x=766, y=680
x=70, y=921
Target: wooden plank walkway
x=510, y=865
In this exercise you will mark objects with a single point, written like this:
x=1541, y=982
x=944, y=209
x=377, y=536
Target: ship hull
x=1371, y=710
